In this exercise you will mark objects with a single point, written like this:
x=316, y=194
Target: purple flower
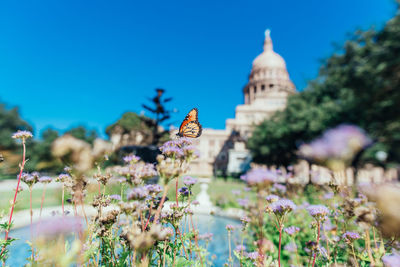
x=154, y=188
x=282, y=206
x=23, y=135
x=45, y=179
x=252, y=255
x=328, y=195
x=229, y=227
x=131, y=159
x=58, y=226
x=184, y=191
x=137, y=193
x=172, y=149
x=240, y=248
x=271, y=198
x=259, y=177
x=195, y=202
x=391, y=260
x=279, y=188
x=245, y=219
x=63, y=177
x=291, y=247
x=340, y=143
x=189, y=181
x=115, y=197
x=319, y=212
x=350, y=236
x=206, y=237
x=292, y=230
x=243, y=202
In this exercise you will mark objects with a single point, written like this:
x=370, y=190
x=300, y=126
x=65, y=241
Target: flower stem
x=315, y=253
x=161, y=204
x=41, y=204
x=280, y=244
x=15, y=196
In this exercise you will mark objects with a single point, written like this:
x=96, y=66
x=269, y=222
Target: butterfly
x=190, y=126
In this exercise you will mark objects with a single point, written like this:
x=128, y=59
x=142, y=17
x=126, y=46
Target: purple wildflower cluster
x=137, y=193
x=22, y=135
x=282, y=206
x=207, y=237
x=184, y=191
x=178, y=148
x=243, y=202
x=63, y=177
x=229, y=227
x=340, y=143
x=319, y=212
x=153, y=188
x=189, y=181
x=138, y=171
x=45, y=179
x=115, y=197
x=350, y=236
x=131, y=159
x=291, y=230
x=240, y=248
x=280, y=188
x=30, y=178
x=259, y=177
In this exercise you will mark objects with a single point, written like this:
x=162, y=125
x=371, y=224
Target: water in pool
x=19, y=250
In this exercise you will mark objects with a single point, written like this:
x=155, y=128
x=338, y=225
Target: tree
x=161, y=114
x=358, y=85
x=10, y=122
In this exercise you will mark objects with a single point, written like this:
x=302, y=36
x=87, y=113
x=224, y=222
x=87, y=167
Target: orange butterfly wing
x=190, y=127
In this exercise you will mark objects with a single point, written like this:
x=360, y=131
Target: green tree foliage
x=10, y=122
x=84, y=134
x=359, y=85
x=40, y=156
x=130, y=123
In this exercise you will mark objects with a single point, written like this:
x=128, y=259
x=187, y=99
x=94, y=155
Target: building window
x=255, y=89
x=271, y=85
x=262, y=87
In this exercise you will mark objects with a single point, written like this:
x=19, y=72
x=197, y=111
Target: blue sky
x=66, y=63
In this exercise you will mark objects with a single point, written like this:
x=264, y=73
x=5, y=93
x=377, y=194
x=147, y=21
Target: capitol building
x=223, y=152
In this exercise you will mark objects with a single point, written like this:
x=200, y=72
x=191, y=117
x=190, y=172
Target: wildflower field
x=285, y=223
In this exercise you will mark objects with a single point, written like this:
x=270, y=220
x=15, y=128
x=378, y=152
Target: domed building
x=266, y=92
x=223, y=152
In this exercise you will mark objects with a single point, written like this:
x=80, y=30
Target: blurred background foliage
x=359, y=84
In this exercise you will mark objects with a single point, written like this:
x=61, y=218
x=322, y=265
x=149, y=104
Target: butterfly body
x=190, y=126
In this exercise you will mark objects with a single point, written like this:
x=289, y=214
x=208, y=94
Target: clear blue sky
x=66, y=63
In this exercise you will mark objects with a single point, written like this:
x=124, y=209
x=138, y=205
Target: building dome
x=269, y=82
x=268, y=58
